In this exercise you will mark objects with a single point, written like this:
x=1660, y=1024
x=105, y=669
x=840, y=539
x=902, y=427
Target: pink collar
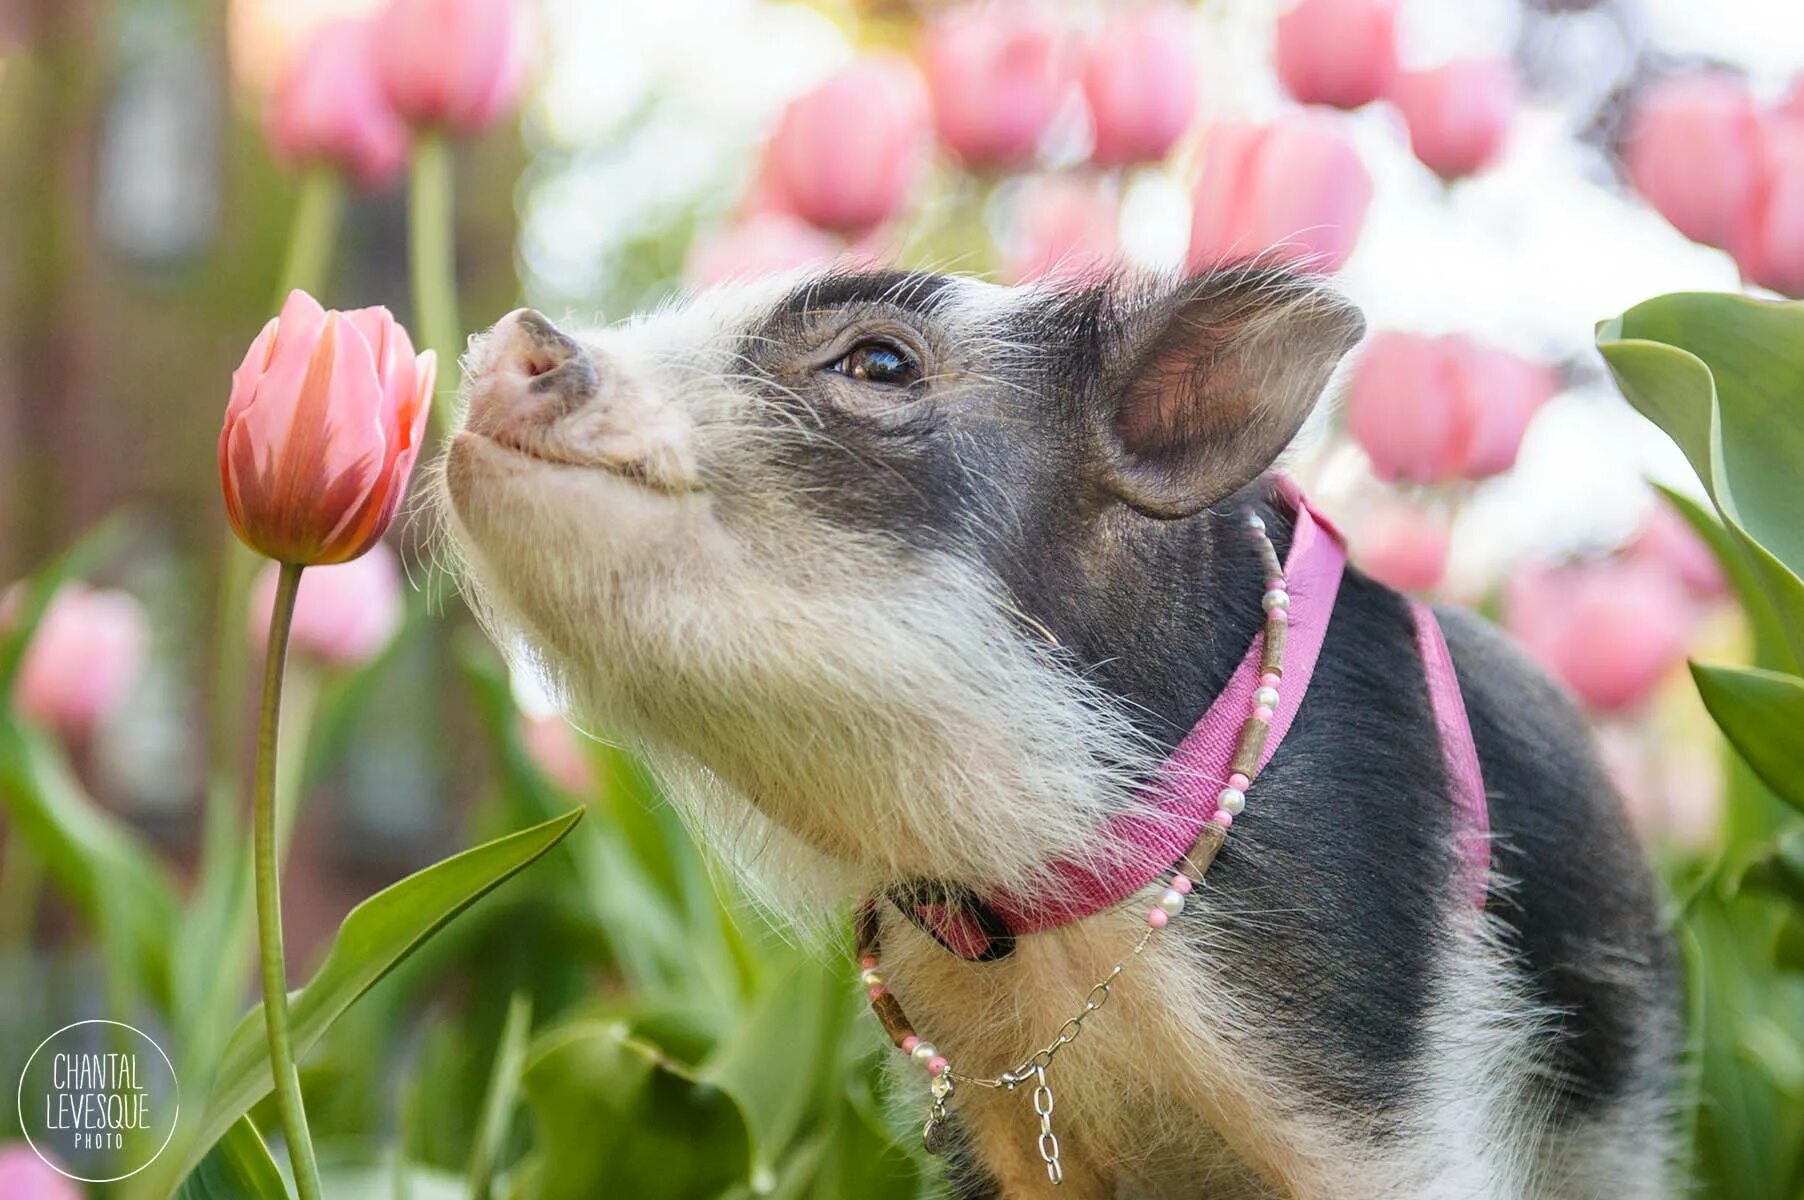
x=1144, y=843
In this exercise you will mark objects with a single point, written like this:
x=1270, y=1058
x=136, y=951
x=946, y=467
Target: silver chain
x=1049, y=1141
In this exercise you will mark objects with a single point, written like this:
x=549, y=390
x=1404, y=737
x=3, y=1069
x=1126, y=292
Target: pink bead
x=1222, y=817
x=1181, y=884
x=1157, y=918
x=937, y=1065
x=1270, y=679
x=877, y=991
x=1262, y=713
x=1279, y=615
x=1239, y=782
x=909, y=1043
x=1275, y=584
x=868, y=962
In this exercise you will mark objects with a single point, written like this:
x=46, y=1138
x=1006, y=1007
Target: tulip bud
x=1666, y=540
x=450, y=64
x=25, y=1176
x=556, y=749
x=1338, y=52
x=1693, y=152
x=324, y=423
x=997, y=73
x=344, y=615
x=329, y=110
x=1141, y=84
x=1294, y=191
x=1770, y=246
x=1065, y=230
x=764, y=243
x=83, y=659
x=1403, y=546
x=846, y=155
x=1611, y=631
x=1458, y=114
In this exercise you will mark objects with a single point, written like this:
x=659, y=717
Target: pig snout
x=537, y=390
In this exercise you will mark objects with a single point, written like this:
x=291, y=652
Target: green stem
x=318, y=212
x=269, y=898
x=432, y=260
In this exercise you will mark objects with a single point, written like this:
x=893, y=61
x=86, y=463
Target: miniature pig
x=910, y=584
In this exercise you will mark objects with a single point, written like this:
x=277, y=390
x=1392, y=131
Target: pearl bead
x=1157, y=918
x=1266, y=697
x=1172, y=901
x=1181, y=884
x=1256, y=523
x=1232, y=801
x=924, y=1052
x=871, y=979
x=1275, y=599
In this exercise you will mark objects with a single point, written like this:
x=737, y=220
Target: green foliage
x=238, y=1167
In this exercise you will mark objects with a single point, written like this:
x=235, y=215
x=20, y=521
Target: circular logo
x=98, y=1101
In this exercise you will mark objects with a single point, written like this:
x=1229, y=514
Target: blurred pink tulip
x=1432, y=409
x=1458, y=114
x=1403, y=546
x=1065, y=229
x=328, y=108
x=1338, y=52
x=1611, y=630
x=1673, y=790
x=321, y=431
x=997, y=73
x=1770, y=247
x=1141, y=84
x=451, y=64
x=1293, y=191
x=764, y=243
x=24, y=1176
x=1693, y=152
x=846, y=155
x=83, y=659
x=345, y=615
x=1667, y=540
x=557, y=750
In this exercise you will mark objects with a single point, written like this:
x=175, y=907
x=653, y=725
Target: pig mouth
x=543, y=453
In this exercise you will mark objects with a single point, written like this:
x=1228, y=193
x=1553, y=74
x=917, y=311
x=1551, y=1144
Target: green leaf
x=1788, y=943
x=1770, y=649
x=1762, y=714
x=238, y=1167
x=1780, y=870
x=502, y=1095
x=377, y=935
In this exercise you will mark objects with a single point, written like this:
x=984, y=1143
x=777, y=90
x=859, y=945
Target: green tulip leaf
x=377, y=935
x=501, y=1097
x=238, y=1167
x=1762, y=714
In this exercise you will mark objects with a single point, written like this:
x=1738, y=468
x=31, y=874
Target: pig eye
x=879, y=361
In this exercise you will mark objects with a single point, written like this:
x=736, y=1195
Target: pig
x=902, y=579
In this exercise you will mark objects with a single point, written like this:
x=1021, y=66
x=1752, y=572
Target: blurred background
x=1487, y=180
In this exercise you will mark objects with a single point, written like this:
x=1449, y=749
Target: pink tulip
x=1770, y=247
x=321, y=431
x=1065, y=230
x=1693, y=152
x=1141, y=84
x=557, y=750
x=25, y=1176
x=1668, y=541
x=83, y=659
x=1458, y=114
x=765, y=243
x=345, y=614
x=1403, y=546
x=329, y=110
x=997, y=73
x=846, y=155
x=1338, y=52
x=1432, y=409
x=1611, y=631
x=1294, y=191
x=451, y=64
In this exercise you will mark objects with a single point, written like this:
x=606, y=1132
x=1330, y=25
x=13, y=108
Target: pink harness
x=1145, y=842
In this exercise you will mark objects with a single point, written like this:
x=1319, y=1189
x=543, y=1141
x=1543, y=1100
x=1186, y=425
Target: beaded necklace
x=1186, y=873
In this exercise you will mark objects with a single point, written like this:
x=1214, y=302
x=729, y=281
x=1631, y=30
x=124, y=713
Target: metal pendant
x=936, y=1134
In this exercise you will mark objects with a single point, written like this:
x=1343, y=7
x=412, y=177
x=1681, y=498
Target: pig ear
x=1225, y=371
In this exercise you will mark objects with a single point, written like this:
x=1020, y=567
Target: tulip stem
x=318, y=212
x=432, y=259
x=269, y=897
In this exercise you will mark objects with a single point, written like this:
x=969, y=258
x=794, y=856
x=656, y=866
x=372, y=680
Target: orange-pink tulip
x=324, y=423
x=557, y=750
x=1141, y=84
x=24, y=1176
x=1338, y=52
x=1770, y=246
x=1458, y=115
x=762, y=243
x=1293, y=191
x=1693, y=152
x=997, y=73
x=450, y=64
x=328, y=109
x=1668, y=541
x=1612, y=631
x=344, y=615
x=1065, y=229
x=83, y=659
x=1403, y=546
x=846, y=155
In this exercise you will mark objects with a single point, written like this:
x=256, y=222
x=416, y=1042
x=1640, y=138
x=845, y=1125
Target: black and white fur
x=940, y=623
